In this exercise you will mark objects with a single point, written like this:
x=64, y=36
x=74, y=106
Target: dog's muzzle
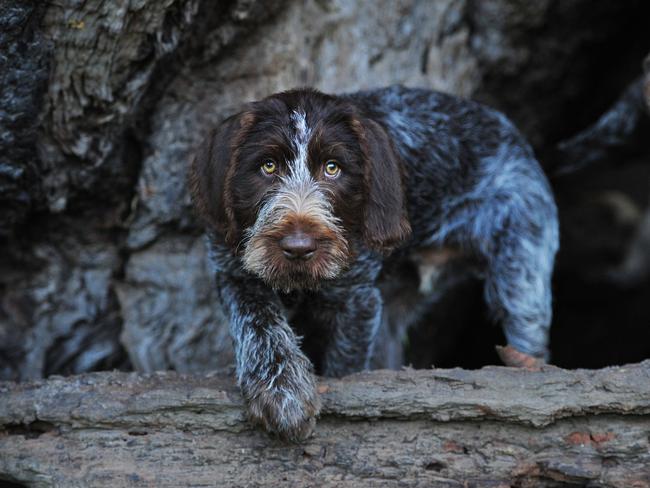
x=296, y=241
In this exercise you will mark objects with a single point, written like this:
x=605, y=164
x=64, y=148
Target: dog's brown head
x=294, y=180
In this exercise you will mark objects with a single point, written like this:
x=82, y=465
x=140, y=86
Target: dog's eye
x=332, y=169
x=269, y=167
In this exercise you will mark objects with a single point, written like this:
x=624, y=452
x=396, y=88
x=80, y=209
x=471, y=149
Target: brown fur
x=365, y=204
x=211, y=173
x=386, y=221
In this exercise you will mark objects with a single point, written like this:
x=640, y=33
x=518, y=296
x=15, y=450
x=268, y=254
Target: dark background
x=102, y=264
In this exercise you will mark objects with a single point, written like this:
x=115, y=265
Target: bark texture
x=499, y=427
x=102, y=264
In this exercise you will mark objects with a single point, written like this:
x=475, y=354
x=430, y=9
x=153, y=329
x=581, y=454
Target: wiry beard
x=295, y=203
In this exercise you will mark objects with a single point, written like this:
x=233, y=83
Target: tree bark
x=102, y=264
x=491, y=427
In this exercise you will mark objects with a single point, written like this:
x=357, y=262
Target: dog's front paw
x=285, y=404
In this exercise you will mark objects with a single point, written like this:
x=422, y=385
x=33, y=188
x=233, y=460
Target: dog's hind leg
x=516, y=232
x=509, y=222
x=518, y=286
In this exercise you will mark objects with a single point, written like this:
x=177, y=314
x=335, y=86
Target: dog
x=307, y=196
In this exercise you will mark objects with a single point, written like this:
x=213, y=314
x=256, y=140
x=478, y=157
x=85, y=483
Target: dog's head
x=294, y=181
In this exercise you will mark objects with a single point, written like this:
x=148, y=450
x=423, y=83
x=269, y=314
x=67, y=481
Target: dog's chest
x=431, y=263
x=293, y=303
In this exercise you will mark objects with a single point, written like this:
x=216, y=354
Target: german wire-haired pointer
x=306, y=196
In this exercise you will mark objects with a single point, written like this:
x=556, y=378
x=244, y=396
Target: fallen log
x=495, y=427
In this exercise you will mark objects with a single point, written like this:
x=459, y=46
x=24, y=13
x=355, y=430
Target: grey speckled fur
x=471, y=183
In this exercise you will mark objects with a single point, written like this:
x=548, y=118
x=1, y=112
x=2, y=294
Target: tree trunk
x=491, y=427
x=102, y=264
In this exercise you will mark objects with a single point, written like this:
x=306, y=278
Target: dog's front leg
x=352, y=316
x=275, y=376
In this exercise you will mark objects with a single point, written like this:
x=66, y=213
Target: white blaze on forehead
x=298, y=193
x=298, y=169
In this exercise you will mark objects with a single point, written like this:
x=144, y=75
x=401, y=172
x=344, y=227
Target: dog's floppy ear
x=211, y=171
x=386, y=220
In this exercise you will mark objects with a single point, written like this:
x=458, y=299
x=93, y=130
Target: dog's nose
x=298, y=245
